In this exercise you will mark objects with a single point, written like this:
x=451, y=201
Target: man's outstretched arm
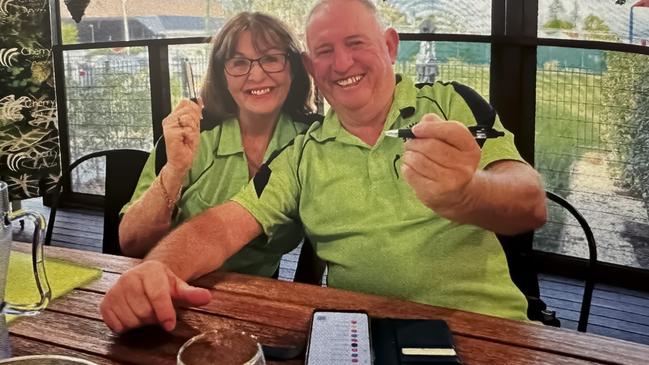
x=147, y=293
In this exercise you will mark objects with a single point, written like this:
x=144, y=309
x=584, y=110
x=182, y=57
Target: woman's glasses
x=270, y=63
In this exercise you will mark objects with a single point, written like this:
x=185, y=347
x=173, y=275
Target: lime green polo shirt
x=365, y=221
x=218, y=172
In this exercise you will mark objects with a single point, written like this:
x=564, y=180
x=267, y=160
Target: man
x=410, y=220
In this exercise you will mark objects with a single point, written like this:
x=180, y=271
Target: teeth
x=260, y=91
x=349, y=81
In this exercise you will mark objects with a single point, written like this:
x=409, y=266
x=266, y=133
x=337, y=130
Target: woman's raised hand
x=181, y=129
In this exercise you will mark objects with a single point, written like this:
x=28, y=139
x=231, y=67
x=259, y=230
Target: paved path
x=619, y=220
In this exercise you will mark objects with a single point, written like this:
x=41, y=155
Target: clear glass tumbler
x=221, y=347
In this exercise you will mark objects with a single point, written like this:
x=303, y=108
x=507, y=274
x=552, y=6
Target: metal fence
x=585, y=119
x=108, y=102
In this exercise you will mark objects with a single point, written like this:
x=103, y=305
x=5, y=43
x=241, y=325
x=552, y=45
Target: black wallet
x=412, y=341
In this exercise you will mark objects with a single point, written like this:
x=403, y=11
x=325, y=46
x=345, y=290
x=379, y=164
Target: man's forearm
x=506, y=198
x=203, y=243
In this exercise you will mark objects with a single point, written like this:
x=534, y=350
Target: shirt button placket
x=376, y=168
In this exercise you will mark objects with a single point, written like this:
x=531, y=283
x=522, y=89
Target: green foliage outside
x=627, y=93
x=559, y=24
x=69, y=33
x=596, y=29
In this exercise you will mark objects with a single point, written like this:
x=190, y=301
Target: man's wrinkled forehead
x=368, y=4
x=326, y=15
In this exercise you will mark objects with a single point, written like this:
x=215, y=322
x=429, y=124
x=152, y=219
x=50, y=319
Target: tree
x=69, y=33
x=596, y=29
x=556, y=11
x=574, y=15
x=627, y=112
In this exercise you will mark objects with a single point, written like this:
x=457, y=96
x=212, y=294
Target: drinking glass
x=38, y=265
x=221, y=347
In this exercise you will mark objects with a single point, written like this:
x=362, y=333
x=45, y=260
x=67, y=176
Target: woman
x=258, y=91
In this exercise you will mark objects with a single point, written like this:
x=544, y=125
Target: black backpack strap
x=261, y=178
x=484, y=113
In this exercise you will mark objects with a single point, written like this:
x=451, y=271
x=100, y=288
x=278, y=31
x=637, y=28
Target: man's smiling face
x=350, y=57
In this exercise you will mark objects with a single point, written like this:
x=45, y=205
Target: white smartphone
x=339, y=337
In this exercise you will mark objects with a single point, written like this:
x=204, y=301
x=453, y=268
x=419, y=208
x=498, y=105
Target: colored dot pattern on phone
x=339, y=338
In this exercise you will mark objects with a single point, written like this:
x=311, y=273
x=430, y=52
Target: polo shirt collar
x=330, y=129
x=230, y=139
x=403, y=104
x=285, y=131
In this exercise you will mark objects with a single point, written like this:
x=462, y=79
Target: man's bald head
x=366, y=3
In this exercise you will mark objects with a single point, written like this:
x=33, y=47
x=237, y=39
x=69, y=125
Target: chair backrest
x=310, y=267
x=123, y=168
x=589, y=285
x=524, y=271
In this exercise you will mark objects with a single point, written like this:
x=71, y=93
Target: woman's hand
x=181, y=131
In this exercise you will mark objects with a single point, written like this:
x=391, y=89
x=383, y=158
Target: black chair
x=309, y=266
x=589, y=285
x=123, y=167
x=524, y=271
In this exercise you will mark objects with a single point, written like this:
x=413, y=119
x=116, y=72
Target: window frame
x=514, y=43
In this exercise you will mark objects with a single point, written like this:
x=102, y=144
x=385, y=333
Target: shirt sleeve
x=501, y=148
x=272, y=196
x=144, y=183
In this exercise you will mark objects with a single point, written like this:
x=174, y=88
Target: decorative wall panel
x=29, y=138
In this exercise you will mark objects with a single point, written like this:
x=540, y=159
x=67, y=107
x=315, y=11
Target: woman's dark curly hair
x=265, y=31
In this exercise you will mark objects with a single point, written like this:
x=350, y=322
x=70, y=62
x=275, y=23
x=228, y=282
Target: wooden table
x=279, y=313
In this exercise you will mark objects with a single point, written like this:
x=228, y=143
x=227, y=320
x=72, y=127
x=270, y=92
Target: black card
x=424, y=341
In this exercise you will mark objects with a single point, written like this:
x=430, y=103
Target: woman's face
x=258, y=92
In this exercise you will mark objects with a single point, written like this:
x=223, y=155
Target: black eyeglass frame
x=251, y=61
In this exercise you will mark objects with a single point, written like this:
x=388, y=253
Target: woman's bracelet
x=170, y=203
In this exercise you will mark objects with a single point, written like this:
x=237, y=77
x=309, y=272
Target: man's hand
x=181, y=131
x=440, y=164
x=146, y=294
